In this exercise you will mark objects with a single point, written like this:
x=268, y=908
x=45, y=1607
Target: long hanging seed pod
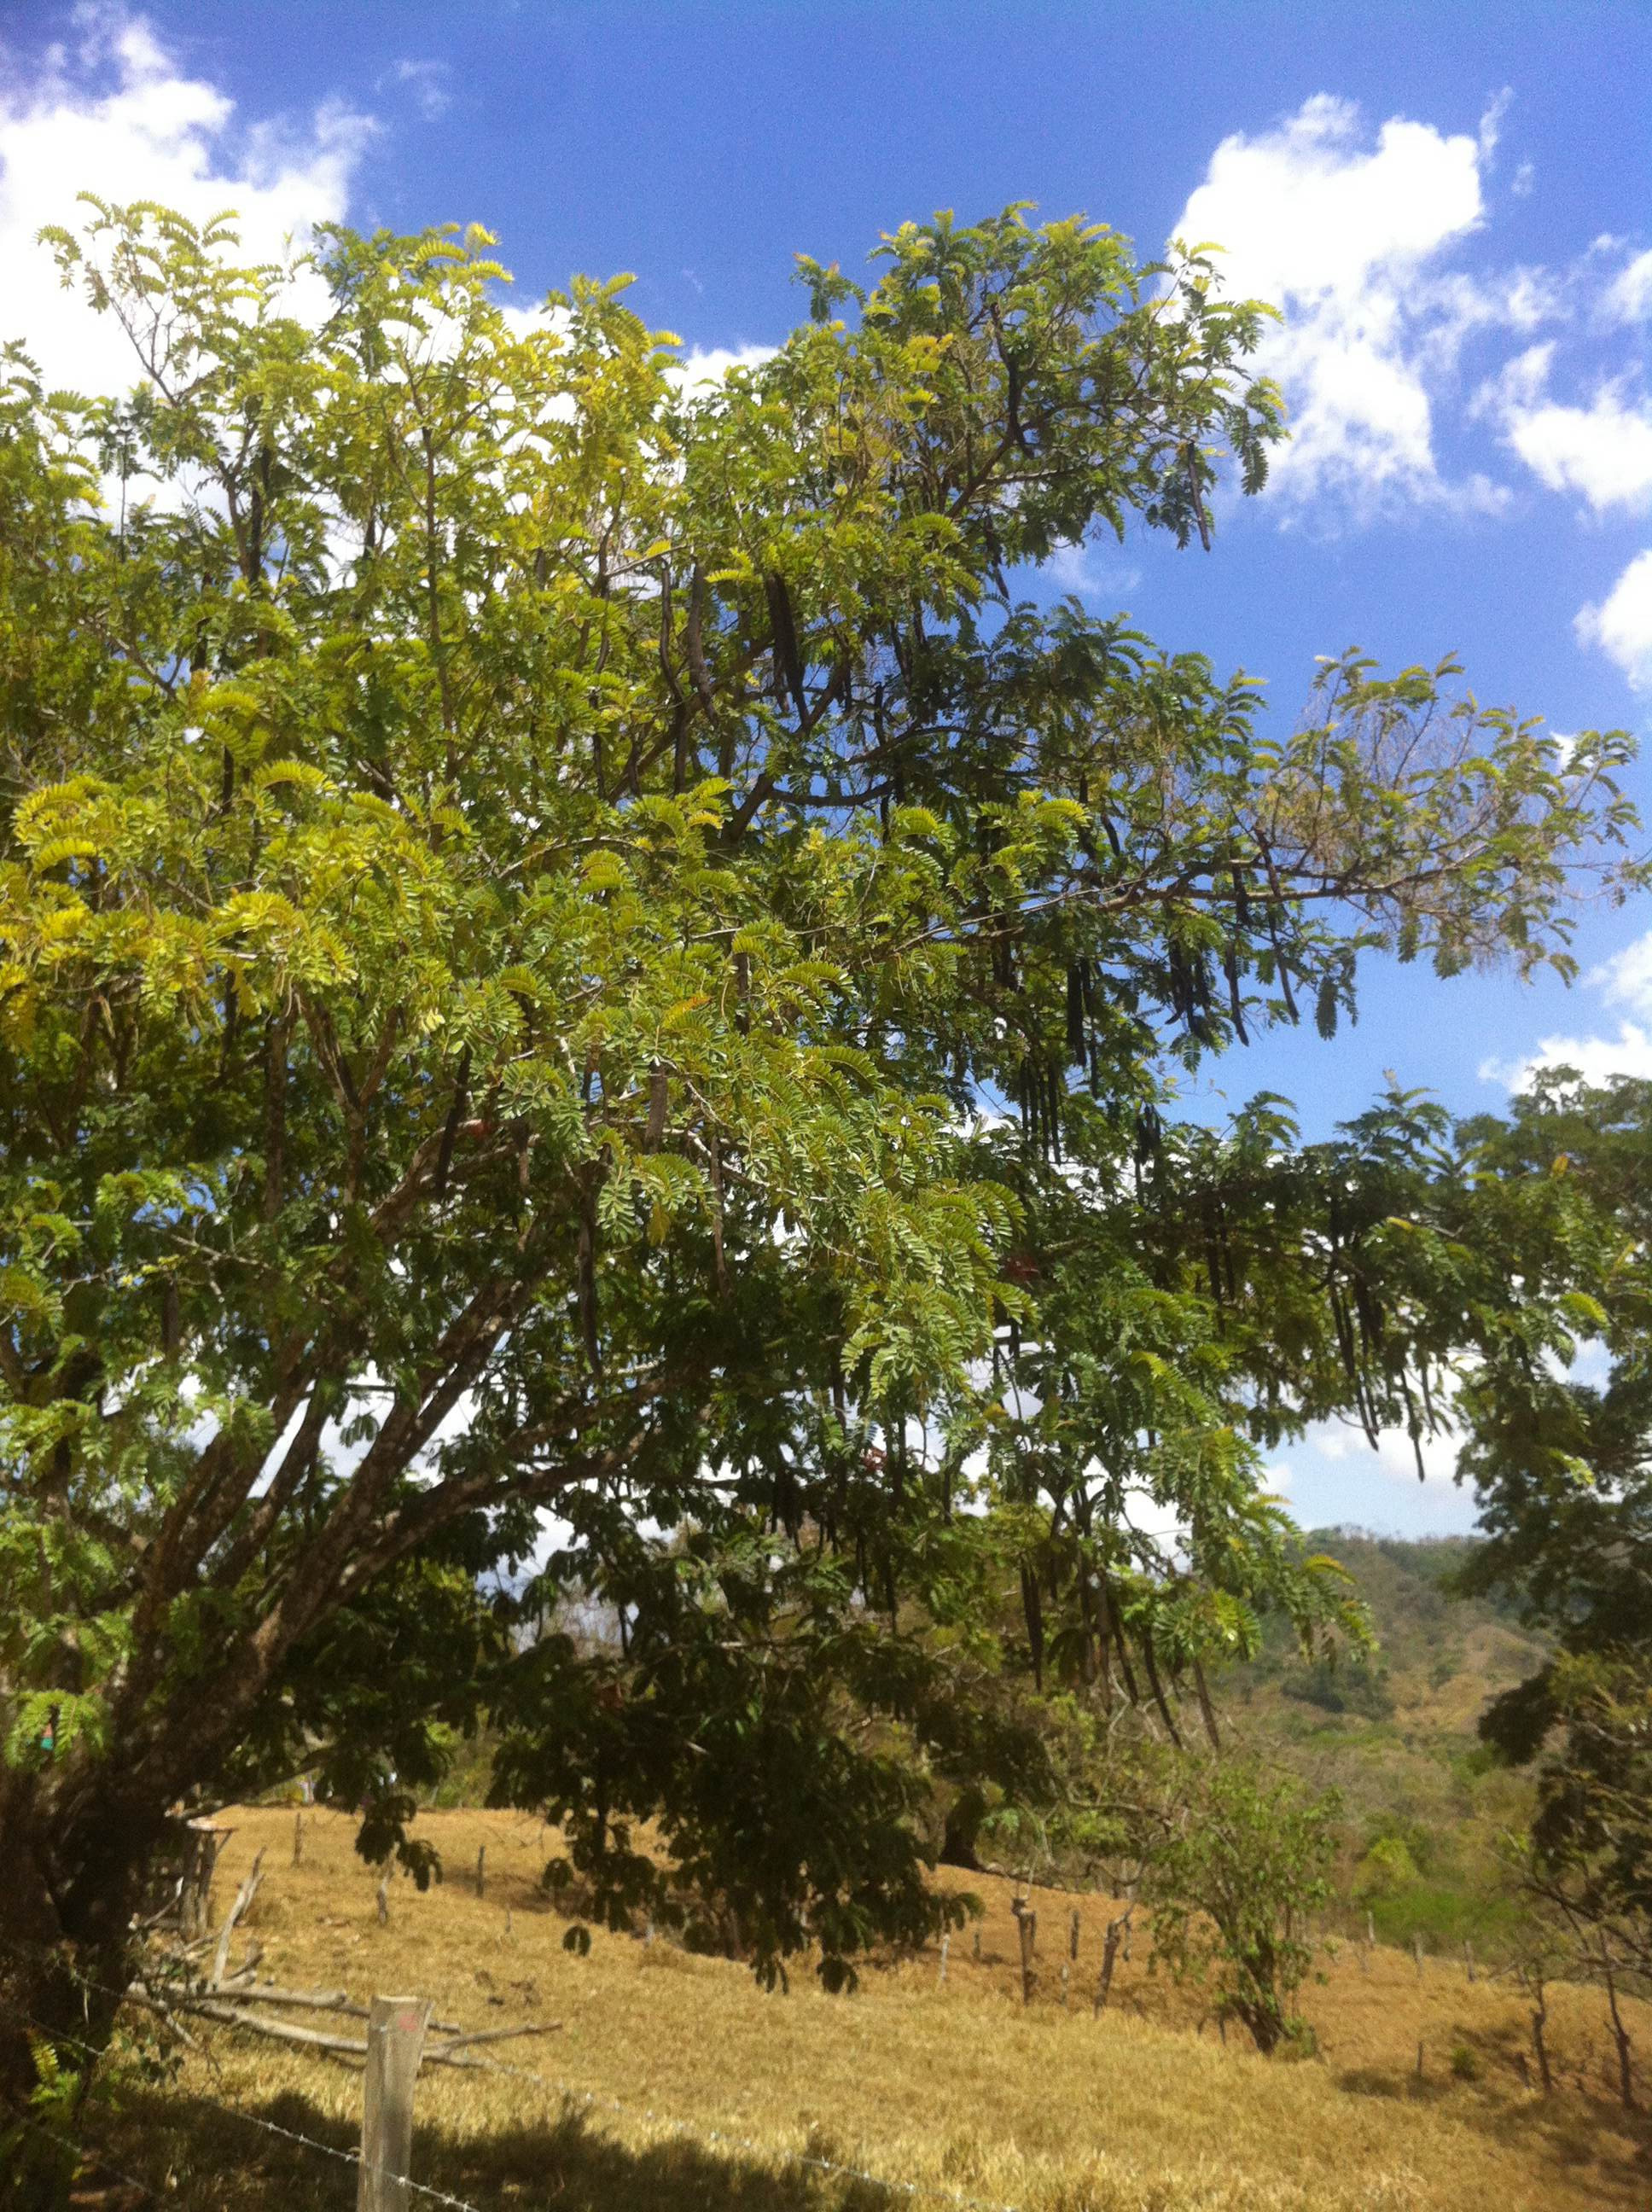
x=1365, y=1312
x=715, y=1153
x=1177, y=980
x=1103, y=1639
x=1428, y=1401
x=587, y=1279
x=1200, y=1022
x=1236, y=1003
x=1343, y=1329
x=1086, y=1633
x=1032, y=1607
x=788, y=662
x=1077, y=979
x=1414, y=1424
x=1159, y=1699
x=1281, y=970
x=1206, y=1707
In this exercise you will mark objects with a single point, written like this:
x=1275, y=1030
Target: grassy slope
x=955, y=2086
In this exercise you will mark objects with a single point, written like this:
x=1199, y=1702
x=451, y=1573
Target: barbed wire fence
x=569, y=2093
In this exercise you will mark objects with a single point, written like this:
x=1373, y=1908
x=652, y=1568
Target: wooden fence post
x=1067, y=1971
x=481, y=1869
x=1109, y=1959
x=396, y=2029
x=383, y=1902
x=945, y=1942
x=202, y=1841
x=1072, y=1935
x=1469, y=1957
x=298, y=1839
x=1029, y=1936
x=1417, y=1953
x=978, y=1946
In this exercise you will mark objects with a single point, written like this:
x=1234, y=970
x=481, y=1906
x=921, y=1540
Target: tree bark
x=76, y=1864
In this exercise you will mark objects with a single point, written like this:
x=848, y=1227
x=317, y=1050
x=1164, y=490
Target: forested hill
x=1438, y=1657
x=1394, y=1734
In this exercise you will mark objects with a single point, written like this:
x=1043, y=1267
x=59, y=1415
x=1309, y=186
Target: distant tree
x=1590, y=1862
x=1559, y=1203
x=1240, y=1865
x=572, y=944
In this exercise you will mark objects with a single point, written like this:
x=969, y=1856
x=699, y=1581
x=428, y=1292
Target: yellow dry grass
x=955, y=2088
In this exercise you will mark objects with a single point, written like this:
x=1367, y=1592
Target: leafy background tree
x=1560, y=1451
x=572, y=945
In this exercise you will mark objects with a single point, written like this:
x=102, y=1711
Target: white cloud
x=1622, y=624
x=1602, y=452
x=1331, y=1477
x=703, y=366
x=428, y=83
x=1628, y=297
x=119, y=118
x=1596, y=1058
x=1625, y=980
x=1396, y=1456
x=1087, y=572
x=1344, y=235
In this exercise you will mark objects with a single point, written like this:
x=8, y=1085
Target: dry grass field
x=955, y=2088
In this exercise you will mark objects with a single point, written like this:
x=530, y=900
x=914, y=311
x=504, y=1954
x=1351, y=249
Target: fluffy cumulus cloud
x=708, y=365
x=1624, y=981
x=114, y=114
x=1622, y=623
x=1332, y=1478
x=1345, y=234
x=1602, y=452
x=1595, y=449
x=1628, y=297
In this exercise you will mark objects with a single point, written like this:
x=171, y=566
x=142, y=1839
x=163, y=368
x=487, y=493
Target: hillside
x=1395, y=1734
x=676, y=2084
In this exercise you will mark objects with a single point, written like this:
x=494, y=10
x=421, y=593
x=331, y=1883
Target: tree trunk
x=1266, y=2027
x=75, y=1864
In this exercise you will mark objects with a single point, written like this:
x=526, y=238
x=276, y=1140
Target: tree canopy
x=571, y=941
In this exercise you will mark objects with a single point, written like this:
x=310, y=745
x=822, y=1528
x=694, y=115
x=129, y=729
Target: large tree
x=571, y=942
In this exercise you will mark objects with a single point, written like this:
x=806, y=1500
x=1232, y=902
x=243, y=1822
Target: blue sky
x=1454, y=205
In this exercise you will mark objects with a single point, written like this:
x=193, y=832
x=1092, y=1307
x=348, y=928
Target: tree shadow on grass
x=1558, y=2133
x=208, y=2158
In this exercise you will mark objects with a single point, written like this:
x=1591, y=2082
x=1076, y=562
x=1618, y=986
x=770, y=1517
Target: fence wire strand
x=229, y=2112
x=592, y=2101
